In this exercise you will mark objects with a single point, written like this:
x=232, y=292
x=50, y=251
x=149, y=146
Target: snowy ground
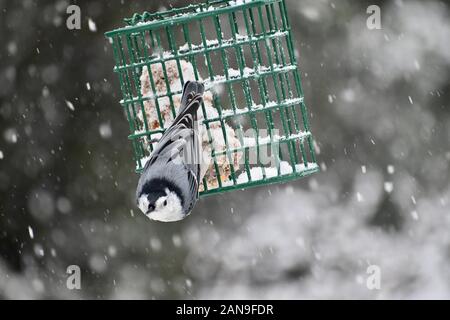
x=379, y=104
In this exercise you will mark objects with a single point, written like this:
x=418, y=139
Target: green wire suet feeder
x=254, y=125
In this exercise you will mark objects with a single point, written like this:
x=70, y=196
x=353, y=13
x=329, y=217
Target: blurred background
x=379, y=111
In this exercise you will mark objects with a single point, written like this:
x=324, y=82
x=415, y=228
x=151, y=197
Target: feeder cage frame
x=253, y=36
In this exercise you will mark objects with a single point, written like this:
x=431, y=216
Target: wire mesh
x=254, y=128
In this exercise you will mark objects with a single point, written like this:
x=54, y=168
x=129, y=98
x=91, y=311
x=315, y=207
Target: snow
x=210, y=8
x=176, y=240
x=388, y=186
x=41, y=204
x=250, y=142
x=112, y=251
x=144, y=160
x=97, y=263
x=10, y=135
x=211, y=43
x=247, y=72
x=302, y=167
x=12, y=48
x=390, y=169
x=105, y=130
x=38, y=250
x=330, y=99
x=269, y=104
x=349, y=95
x=92, y=25
x=226, y=43
x=311, y=13
x=417, y=65
x=257, y=173
x=359, y=197
x=268, y=248
x=155, y=244
x=70, y=105
x=238, y=2
x=30, y=232
x=63, y=205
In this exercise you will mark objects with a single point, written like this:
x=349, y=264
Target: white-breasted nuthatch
x=168, y=187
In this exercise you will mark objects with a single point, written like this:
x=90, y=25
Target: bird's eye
x=165, y=203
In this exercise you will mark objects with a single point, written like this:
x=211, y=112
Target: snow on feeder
x=254, y=126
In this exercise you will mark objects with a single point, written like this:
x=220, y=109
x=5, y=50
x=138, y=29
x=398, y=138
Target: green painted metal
x=253, y=39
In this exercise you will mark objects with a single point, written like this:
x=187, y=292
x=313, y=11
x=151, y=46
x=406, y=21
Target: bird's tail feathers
x=191, y=99
x=190, y=89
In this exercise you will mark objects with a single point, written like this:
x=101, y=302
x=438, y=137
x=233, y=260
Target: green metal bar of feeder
x=166, y=76
x=277, y=90
x=211, y=76
x=256, y=109
x=260, y=63
x=172, y=12
x=187, y=38
x=279, y=69
x=263, y=72
x=230, y=89
x=284, y=105
x=136, y=86
x=271, y=16
x=246, y=87
x=152, y=82
x=136, y=82
x=295, y=137
x=184, y=18
x=265, y=95
x=172, y=46
x=262, y=87
x=210, y=48
x=128, y=92
x=277, y=179
x=121, y=81
x=297, y=79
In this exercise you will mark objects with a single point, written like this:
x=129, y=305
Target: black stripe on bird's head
x=156, y=188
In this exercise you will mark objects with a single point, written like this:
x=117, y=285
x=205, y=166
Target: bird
x=168, y=187
x=212, y=138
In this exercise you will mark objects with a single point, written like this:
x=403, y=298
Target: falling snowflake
x=70, y=105
x=105, y=130
x=92, y=25
x=390, y=169
x=10, y=135
x=30, y=232
x=359, y=197
x=388, y=187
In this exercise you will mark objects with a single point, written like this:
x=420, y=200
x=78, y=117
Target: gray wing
x=180, y=142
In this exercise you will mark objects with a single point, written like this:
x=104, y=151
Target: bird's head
x=161, y=205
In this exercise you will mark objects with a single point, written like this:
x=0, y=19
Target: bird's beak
x=151, y=208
